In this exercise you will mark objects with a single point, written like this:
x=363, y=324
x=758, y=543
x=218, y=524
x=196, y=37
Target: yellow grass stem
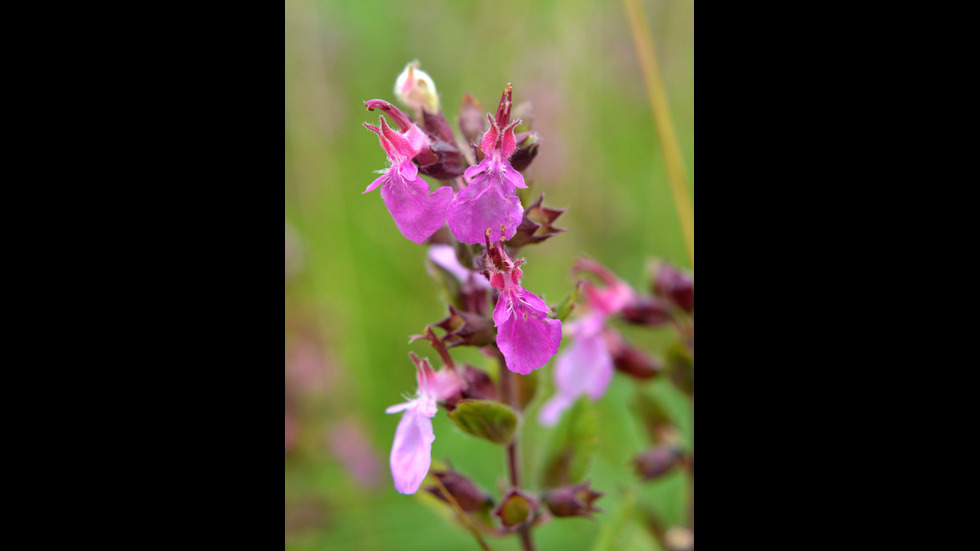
x=676, y=172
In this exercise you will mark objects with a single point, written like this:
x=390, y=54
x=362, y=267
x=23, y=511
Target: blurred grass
x=364, y=288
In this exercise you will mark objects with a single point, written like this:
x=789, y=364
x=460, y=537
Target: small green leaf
x=564, y=309
x=572, y=446
x=487, y=420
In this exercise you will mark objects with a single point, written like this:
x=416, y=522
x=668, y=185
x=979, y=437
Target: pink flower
x=586, y=368
x=411, y=454
x=527, y=337
x=416, y=213
x=490, y=201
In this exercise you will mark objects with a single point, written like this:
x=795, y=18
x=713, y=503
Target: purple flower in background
x=416, y=213
x=490, y=201
x=411, y=455
x=445, y=257
x=586, y=368
x=527, y=337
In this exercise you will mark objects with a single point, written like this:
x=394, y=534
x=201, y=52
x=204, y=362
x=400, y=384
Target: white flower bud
x=417, y=90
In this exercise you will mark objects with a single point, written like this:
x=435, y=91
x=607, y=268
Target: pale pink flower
x=586, y=368
x=411, y=454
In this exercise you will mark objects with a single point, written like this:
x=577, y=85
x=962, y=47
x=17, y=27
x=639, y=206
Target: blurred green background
x=356, y=289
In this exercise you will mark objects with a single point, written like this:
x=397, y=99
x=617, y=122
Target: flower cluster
x=488, y=199
x=480, y=205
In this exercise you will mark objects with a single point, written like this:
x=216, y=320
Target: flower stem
x=676, y=172
x=510, y=396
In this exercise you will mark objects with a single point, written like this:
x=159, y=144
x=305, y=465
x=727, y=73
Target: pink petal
x=408, y=170
x=483, y=206
x=585, y=368
x=474, y=171
x=399, y=408
x=528, y=341
x=553, y=409
x=411, y=455
x=514, y=177
x=534, y=302
x=374, y=185
x=444, y=256
x=417, y=213
x=503, y=311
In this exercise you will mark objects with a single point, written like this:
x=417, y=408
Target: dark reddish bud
x=445, y=161
x=528, y=145
x=647, y=311
x=478, y=386
x=537, y=225
x=466, y=329
x=573, y=501
x=629, y=360
x=517, y=510
x=657, y=462
x=676, y=286
x=472, y=120
x=470, y=497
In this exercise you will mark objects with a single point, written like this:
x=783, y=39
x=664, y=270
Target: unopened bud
x=470, y=498
x=629, y=360
x=674, y=285
x=679, y=539
x=528, y=145
x=472, y=119
x=573, y=501
x=517, y=510
x=478, y=386
x=416, y=89
x=657, y=462
x=647, y=311
x=466, y=329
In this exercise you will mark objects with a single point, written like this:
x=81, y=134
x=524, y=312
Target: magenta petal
x=374, y=185
x=503, y=311
x=411, y=455
x=514, y=177
x=408, y=170
x=474, y=171
x=483, y=206
x=417, y=213
x=528, y=341
x=534, y=302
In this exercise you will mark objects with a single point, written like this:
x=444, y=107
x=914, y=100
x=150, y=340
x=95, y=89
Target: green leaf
x=564, y=309
x=572, y=446
x=487, y=420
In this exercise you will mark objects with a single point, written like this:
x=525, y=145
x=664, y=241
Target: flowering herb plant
x=475, y=227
